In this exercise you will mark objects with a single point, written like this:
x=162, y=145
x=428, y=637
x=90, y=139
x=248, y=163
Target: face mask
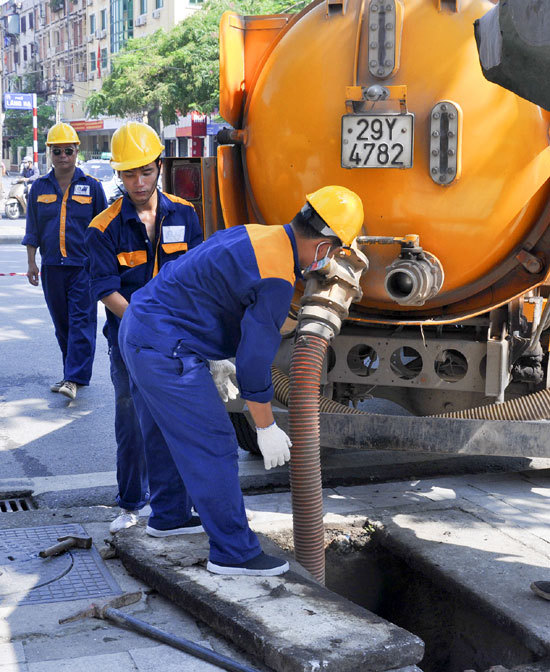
x=317, y=264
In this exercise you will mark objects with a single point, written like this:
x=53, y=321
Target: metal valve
x=415, y=276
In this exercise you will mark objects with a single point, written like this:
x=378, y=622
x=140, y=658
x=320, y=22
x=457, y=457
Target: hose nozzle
x=330, y=290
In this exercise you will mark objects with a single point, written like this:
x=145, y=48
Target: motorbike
x=16, y=202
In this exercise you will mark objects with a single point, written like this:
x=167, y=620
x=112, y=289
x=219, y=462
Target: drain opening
x=458, y=636
x=12, y=504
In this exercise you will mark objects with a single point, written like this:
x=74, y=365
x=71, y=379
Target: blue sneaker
x=261, y=565
x=192, y=526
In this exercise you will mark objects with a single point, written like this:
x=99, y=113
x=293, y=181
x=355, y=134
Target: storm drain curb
x=289, y=623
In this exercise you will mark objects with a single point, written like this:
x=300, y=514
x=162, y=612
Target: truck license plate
x=377, y=140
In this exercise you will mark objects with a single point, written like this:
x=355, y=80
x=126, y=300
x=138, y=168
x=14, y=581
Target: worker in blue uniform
x=60, y=207
x=127, y=245
x=227, y=298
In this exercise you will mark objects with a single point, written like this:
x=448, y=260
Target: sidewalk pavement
x=485, y=537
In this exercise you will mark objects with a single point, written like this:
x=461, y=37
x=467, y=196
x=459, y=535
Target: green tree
x=178, y=71
x=18, y=126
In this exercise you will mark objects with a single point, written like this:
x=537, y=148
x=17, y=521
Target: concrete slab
x=121, y=662
x=165, y=658
x=32, y=634
x=479, y=561
x=290, y=623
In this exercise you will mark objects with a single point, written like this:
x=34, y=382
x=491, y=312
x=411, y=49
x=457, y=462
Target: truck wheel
x=12, y=210
x=246, y=435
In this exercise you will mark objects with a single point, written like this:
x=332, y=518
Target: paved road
x=44, y=434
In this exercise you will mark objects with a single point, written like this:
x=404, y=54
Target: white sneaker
x=122, y=522
x=57, y=386
x=68, y=389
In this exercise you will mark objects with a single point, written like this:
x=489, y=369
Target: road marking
x=41, y=484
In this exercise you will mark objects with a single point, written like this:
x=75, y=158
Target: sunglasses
x=69, y=151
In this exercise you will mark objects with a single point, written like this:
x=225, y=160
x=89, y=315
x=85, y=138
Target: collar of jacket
x=290, y=234
x=78, y=175
x=129, y=214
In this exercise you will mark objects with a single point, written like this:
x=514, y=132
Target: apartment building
x=62, y=49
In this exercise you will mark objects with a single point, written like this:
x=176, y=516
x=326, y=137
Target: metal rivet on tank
x=442, y=178
x=435, y=152
x=374, y=45
x=434, y=171
x=451, y=134
x=436, y=115
x=374, y=8
x=435, y=134
x=389, y=8
x=443, y=108
x=389, y=45
x=373, y=64
x=389, y=26
x=374, y=26
x=380, y=71
x=388, y=64
x=451, y=115
x=451, y=152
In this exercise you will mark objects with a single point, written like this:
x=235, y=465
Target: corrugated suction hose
x=534, y=406
x=305, y=466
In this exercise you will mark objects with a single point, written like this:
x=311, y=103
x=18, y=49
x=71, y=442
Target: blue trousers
x=74, y=316
x=131, y=468
x=190, y=445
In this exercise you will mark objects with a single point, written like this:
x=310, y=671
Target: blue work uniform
x=56, y=223
x=123, y=259
x=226, y=298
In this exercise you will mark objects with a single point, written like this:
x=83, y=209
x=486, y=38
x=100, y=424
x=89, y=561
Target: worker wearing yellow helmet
x=334, y=211
x=227, y=298
x=61, y=204
x=128, y=244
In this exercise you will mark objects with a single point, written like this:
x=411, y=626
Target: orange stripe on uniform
x=170, y=248
x=135, y=258
x=63, y=223
x=273, y=251
x=104, y=218
x=177, y=199
x=156, y=266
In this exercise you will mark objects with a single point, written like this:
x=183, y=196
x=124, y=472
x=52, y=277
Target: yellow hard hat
x=133, y=145
x=341, y=209
x=62, y=134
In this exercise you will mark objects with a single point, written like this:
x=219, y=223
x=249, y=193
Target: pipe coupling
x=332, y=285
x=413, y=281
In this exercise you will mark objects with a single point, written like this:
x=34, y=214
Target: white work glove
x=274, y=445
x=224, y=374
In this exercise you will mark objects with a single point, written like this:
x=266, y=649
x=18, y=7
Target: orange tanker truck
x=441, y=306
x=388, y=99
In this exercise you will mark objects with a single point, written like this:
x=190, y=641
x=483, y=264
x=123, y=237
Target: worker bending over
x=61, y=205
x=127, y=245
x=226, y=298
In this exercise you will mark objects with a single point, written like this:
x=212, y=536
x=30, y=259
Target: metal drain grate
x=26, y=578
x=12, y=504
